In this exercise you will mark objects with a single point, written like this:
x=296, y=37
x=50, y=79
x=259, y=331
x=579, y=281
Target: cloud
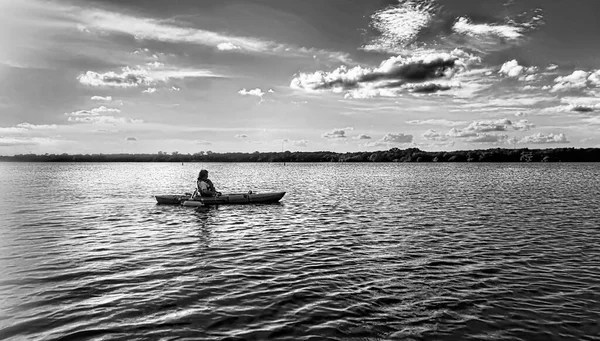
x=171, y=31
x=270, y=91
x=393, y=76
x=465, y=26
x=241, y=136
x=441, y=122
x=93, y=112
x=174, y=88
x=299, y=143
x=362, y=137
x=429, y=87
x=577, y=80
x=202, y=142
x=335, y=134
x=489, y=125
x=391, y=139
x=227, y=47
x=488, y=138
x=512, y=69
x=254, y=92
x=26, y=127
x=128, y=78
x=434, y=135
x=149, y=90
x=400, y=25
x=100, y=98
x=477, y=131
x=23, y=141
x=541, y=138
x=522, y=125
x=103, y=119
x=130, y=139
x=139, y=76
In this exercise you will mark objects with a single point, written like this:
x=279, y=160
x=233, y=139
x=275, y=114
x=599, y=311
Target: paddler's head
x=203, y=174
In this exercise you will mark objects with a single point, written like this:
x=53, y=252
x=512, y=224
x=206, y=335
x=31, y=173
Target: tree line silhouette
x=392, y=155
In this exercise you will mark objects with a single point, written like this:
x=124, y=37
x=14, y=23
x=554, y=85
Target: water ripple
x=358, y=252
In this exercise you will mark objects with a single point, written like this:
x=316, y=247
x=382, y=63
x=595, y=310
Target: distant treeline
x=392, y=155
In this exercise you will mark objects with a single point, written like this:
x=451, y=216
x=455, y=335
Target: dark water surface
x=353, y=252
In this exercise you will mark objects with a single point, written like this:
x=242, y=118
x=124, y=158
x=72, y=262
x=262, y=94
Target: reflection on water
x=353, y=252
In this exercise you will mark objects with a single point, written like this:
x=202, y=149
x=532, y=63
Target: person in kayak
x=205, y=187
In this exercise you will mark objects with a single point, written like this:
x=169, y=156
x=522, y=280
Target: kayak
x=225, y=199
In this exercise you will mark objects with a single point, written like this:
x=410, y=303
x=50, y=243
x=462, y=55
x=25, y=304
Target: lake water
x=352, y=252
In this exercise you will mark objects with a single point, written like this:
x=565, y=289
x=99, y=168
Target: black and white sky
x=106, y=76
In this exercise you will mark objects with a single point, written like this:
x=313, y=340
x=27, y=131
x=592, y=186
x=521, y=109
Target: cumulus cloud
x=254, y=92
x=577, y=80
x=391, y=139
x=522, y=125
x=202, y=142
x=489, y=125
x=127, y=78
x=512, y=69
x=130, y=139
x=241, y=136
x=149, y=91
x=174, y=88
x=299, y=143
x=488, y=138
x=335, y=134
x=478, y=131
x=541, y=138
x=362, y=137
x=393, y=76
x=101, y=98
x=434, y=135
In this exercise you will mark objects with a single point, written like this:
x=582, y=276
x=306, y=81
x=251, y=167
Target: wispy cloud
x=143, y=28
x=26, y=127
x=227, y=47
x=103, y=119
x=400, y=25
x=140, y=76
x=464, y=25
x=362, y=137
x=101, y=98
x=439, y=122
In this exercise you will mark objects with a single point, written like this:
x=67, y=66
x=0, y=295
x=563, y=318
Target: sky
x=143, y=76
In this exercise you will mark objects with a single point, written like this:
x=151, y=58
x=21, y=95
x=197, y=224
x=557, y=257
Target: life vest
x=210, y=185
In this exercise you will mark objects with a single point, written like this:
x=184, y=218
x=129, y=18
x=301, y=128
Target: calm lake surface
x=352, y=252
